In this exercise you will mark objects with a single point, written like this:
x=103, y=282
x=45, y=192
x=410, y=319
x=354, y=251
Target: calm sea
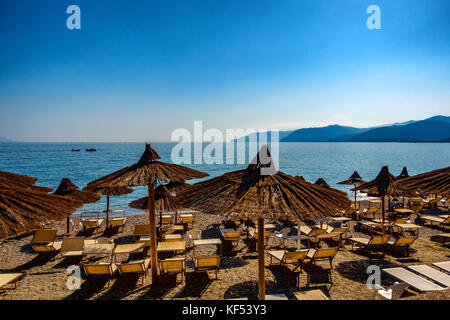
x=334, y=162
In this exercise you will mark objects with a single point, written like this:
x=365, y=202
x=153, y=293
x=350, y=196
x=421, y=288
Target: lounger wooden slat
x=432, y=273
x=7, y=278
x=315, y=294
x=445, y=265
x=415, y=281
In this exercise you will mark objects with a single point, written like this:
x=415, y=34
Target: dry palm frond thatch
x=321, y=182
x=435, y=181
x=69, y=190
x=164, y=202
x=23, y=210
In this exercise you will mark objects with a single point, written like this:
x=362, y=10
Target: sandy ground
x=46, y=279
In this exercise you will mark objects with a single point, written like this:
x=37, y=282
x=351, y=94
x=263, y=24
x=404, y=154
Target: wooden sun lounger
x=139, y=267
x=315, y=294
x=414, y=281
x=7, y=278
x=101, y=269
x=445, y=237
x=442, y=222
x=445, y=265
x=399, y=242
x=375, y=242
x=311, y=232
x=433, y=274
x=322, y=254
x=44, y=240
x=172, y=265
x=72, y=247
x=91, y=220
x=207, y=263
x=295, y=258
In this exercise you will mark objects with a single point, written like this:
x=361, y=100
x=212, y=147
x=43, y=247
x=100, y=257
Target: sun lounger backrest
x=379, y=240
x=401, y=220
x=186, y=219
x=90, y=215
x=325, y=253
x=172, y=264
x=339, y=230
x=167, y=219
x=44, y=236
x=295, y=255
x=132, y=267
x=97, y=269
x=404, y=241
x=204, y=262
x=232, y=235
x=141, y=230
x=316, y=232
x=72, y=244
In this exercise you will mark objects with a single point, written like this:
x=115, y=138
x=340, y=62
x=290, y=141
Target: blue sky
x=137, y=70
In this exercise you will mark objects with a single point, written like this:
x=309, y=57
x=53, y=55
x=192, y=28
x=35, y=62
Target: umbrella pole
x=261, y=283
x=68, y=224
x=382, y=215
x=107, y=210
x=151, y=217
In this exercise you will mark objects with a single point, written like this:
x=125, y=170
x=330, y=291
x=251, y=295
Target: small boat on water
x=75, y=149
x=90, y=150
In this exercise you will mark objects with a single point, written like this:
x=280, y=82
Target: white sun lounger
x=412, y=279
x=432, y=273
x=445, y=265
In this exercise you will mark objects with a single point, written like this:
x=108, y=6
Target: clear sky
x=137, y=70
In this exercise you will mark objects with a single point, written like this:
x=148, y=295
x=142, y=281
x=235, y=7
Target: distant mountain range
x=434, y=129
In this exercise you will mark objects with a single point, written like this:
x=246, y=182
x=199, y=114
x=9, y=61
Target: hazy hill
x=321, y=134
x=426, y=130
x=254, y=136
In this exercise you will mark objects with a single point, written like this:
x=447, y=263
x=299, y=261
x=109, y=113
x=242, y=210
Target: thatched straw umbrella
x=259, y=192
x=148, y=172
x=164, y=201
x=23, y=209
x=354, y=180
x=435, y=181
x=108, y=191
x=68, y=189
x=384, y=185
x=176, y=186
x=22, y=181
x=403, y=174
x=321, y=182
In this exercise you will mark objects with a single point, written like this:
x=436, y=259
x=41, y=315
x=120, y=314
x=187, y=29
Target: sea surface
x=334, y=162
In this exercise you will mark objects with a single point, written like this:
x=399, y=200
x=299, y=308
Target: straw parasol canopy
x=354, y=180
x=321, y=182
x=108, y=191
x=177, y=186
x=22, y=181
x=260, y=191
x=384, y=185
x=403, y=174
x=435, y=181
x=23, y=210
x=70, y=190
x=164, y=201
x=148, y=171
